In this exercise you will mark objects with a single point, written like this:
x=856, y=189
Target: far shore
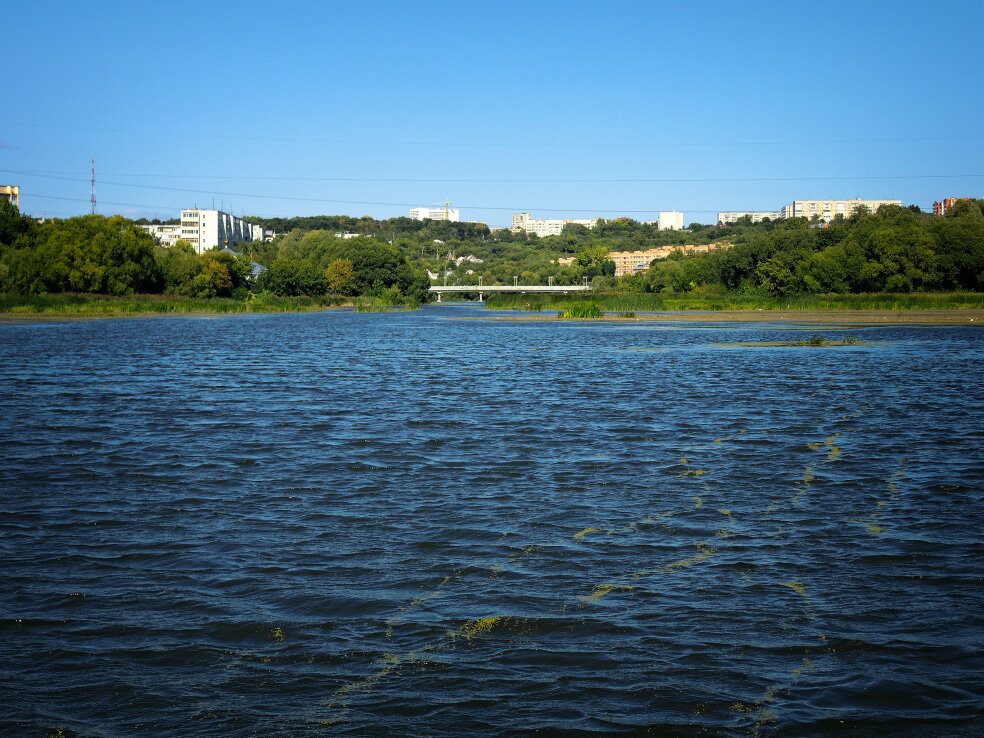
x=810, y=317
x=813, y=317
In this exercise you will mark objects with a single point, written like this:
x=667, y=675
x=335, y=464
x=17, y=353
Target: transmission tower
x=92, y=199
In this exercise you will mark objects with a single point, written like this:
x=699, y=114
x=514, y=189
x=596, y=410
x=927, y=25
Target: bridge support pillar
x=480, y=298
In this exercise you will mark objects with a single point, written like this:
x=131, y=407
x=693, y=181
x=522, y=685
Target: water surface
x=368, y=524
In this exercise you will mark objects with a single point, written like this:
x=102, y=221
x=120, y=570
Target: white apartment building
x=826, y=210
x=207, y=229
x=670, y=220
x=544, y=227
x=453, y=214
x=11, y=193
x=756, y=216
x=166, y=235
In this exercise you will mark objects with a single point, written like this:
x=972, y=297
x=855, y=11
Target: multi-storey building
x=827, y=210
x=11, y=193
x=670, y=220
x=633, y=262
x=756, y=216
x=207, y=229
x=450, y=214
x=166, y=234
x=544, y=227
x=940, y=208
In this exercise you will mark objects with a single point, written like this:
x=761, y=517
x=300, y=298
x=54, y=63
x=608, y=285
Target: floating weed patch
x=872, y=528
x=278, y=635
x=482, y=626
x=808, y=664
x=796, y=587
x=416, y=603
x=704, y=551
x=601, y=590
x=814, y=341
x=583, y=533
x=764, y=715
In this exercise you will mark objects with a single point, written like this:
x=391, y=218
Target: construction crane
x=445, y=204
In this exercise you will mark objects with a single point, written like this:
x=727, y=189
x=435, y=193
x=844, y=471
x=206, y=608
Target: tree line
x=892, y=250
x=895, y=249
x=114, y=256
x=369, y=226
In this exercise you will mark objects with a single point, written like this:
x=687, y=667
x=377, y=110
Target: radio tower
x=92, y=199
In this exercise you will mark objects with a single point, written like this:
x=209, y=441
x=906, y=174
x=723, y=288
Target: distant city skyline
x=699, y=108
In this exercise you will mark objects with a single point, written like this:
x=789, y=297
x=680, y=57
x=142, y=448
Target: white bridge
x=521, y=288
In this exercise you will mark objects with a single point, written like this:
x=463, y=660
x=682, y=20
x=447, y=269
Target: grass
x=85, y=305
x=652, y=302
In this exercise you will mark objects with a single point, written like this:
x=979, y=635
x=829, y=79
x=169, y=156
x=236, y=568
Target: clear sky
x=562, y=109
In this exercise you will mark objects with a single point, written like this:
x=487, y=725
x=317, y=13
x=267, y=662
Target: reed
x=81, y=305
x=581, y=309
x=385, y=304
x=651, y=302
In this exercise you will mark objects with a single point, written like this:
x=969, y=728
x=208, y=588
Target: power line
x=501, y=144
x=474, y=180
x=159, y=207
x=525, y=208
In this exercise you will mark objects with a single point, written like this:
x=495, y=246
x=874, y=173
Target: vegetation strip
x=898, y=259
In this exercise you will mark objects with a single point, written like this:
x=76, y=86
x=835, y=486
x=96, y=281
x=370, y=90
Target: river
x=392, y=524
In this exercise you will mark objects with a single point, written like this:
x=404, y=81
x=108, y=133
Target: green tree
x=966, y=210
x=86, y=254
x=13, y=225
x=339, y=276
x=960, y=252
x=775, y=276
x=291, y=278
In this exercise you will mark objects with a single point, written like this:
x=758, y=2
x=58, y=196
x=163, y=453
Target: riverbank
x=792, y=317
x=713, y=301
x=80, y=306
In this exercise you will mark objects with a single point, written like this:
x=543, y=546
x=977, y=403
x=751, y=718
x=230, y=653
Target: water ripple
x=355, y=524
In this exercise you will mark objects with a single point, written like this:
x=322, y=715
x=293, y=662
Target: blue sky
x=569, y=109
